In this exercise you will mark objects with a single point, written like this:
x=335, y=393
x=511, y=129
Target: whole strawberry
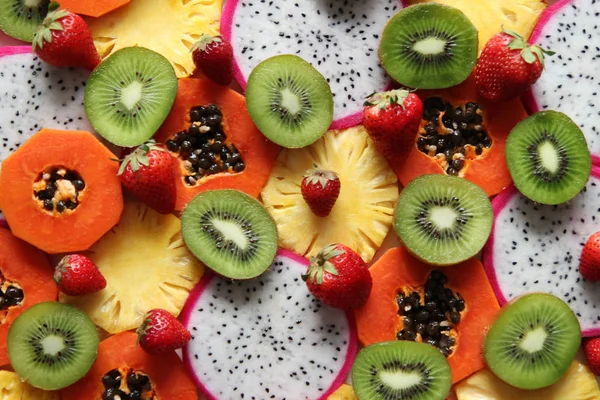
x=337, y=276
x=392, y=120
x=591, y=349
x=589, y=263
x=149, y=174
x=508, y=66
x=213, y=56
x=77, y=275
x=64, y=40
x=161, y=332
x=320, y=189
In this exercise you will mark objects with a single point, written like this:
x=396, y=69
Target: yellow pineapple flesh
x=578, y=383
x=169, y=27
x=344, y=392
x=489, y=16
x=13, y=388
x=363, y=212
x=146, y=265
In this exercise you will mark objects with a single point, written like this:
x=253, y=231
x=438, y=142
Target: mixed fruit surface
x=302, y=200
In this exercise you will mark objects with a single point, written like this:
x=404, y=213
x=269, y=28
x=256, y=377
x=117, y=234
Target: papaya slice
x=462, y=134
x=95, y=8
x=122, y=367
x=60, y=191
x=448, y=308
x=218, y=146
x=25, y=280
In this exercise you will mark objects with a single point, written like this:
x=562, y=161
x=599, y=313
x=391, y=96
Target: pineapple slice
x=169, y=27
x=363, y=212
x=489, y=16
x=578, y=383
x=146, y=265
x=344, y=392
x=13, y=388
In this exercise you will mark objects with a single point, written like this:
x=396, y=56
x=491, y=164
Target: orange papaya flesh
x=399, y=272
x=256, y=153
x=485, y=166
x=27, y=268
x=45, y=169
x=167, y=377
x=92, y=8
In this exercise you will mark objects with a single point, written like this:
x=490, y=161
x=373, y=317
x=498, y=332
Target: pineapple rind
x=363, y=212
x=13, y=388
x=146, y=265
x=169, y=27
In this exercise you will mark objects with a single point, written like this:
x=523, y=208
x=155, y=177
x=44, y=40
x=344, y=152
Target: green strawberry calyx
x=320, y=264
x=144, y=327
x=139, y=156
x=204, y=40
x=51, y=23
x=62, y=268
x=383, y=99
x=528, y=52
x=320, y=176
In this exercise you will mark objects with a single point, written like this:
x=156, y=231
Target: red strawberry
x=320, y=189
x=149, y=173
x=77, y=275
x=339, y=277
x=64, y=40
x=392, y=120
x=589, y=264
x=213, y=55
x=591, y=348
x=508, y=66
x=161, y=332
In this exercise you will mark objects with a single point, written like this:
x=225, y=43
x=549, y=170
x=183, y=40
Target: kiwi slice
x=443, y=219
x=230, y=232
x=401, y=370
x=533, y=341
x=52, y=345
x=548, y=157
x=21, y=18
x=129, y=95
x=289, y=101
x=429, y=46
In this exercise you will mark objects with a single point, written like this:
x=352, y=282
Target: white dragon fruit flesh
x=536, y=248
x=267, y=338
x=571, y=79
x=340, y=39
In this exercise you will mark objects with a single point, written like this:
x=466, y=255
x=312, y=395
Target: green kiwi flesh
x=429, y=46
x=401, y=370
x=548, y=157
x=52, y=345
x=129, y=95
x=21, y=18
x=289, y=101
x=443, y=219
x=230, y=232
x=533, y=341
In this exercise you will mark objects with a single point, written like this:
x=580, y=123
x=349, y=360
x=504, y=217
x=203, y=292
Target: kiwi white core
x=534, y=340
x=400, y=380
x=33, y=3
x=430, y=46
x=53, y=345
x=232, y=232
x=549, y=156
x=290, y=101
x=443, y=217
x=131, y=94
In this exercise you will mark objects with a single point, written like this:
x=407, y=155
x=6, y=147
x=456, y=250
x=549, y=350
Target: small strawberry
x=213, y=55
x=64, y=40
x=589, y=263
x=77, y=275
x=149, y=173
x=320, y=189
x=508, y=66
x=392, y=120
x=161, y=332
x=337, y=276
x=591, y=349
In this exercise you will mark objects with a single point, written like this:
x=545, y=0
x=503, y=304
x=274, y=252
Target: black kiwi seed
x=20, y=19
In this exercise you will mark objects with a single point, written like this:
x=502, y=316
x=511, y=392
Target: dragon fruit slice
x=571, y=78
x=340, y=39
x=267, y=338
x=536, y=248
